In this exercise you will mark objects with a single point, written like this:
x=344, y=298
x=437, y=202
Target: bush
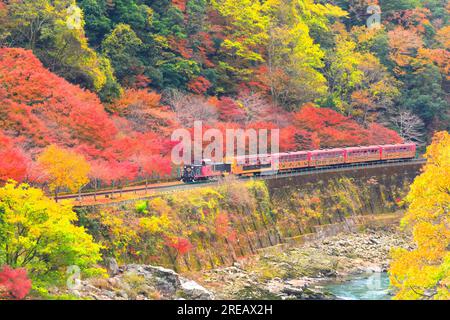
x=141, y=207
x=14, y=283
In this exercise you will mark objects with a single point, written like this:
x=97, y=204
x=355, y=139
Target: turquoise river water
x=361, y=287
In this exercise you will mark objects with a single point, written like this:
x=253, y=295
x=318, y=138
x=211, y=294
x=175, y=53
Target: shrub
x=141, y=207
x=14, y=283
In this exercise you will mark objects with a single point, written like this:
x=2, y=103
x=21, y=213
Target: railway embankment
x=215, y=226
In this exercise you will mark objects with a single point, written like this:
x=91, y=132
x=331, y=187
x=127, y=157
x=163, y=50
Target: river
x=373, y=286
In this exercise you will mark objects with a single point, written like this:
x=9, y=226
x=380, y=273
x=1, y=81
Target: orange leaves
x=403, y=44
x=199, y=85
x=292, y=139
x=440, y=57
x=25, y=77
x=133, y=97
x=181, y=46
x=181, y=4
x=415, y=18
x=141, y=81
x=224, y=228
x=443, y=36
x=143, y=110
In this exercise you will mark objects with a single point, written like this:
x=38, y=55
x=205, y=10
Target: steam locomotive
x=291, y=161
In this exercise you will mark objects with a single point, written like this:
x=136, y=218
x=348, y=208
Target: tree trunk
x=95, y=189
x=112, y=191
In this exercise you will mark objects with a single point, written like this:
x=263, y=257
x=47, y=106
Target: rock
x=327, y=273
x=166, y=281
x=76, y=293
x=123, y=294
x=374, y=269
x=293, y=291
x=113, y=282
x=142, y=282
x=310, y=294
x=109, y=294
x=194, y=291
x=91, y=288
x=112, y=266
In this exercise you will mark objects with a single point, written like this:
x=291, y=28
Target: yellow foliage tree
x=424, y=273
x=41, y=235
x=64, y=169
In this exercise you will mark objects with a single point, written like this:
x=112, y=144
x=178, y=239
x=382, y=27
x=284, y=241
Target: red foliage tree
x=42, y=108
x=14, y=283
x=335, y=130
x=142, y=108
x=199, y=85
x=377, y=134
x=223, y=227
x=181, y=46
x=181, y=245
x=181, y=4
x=295, y=139
x=13, y=163
x=141, y=81
x=230, y=110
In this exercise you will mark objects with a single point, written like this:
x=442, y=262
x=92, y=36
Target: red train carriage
x=291, y=160
x=327, y=157
x=398, y=151
x=362, y=154
x=253, y=164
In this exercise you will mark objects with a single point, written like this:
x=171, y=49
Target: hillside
x=40, y=109
x=111, y=79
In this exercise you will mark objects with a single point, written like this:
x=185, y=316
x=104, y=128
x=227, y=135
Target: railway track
x=179, y=186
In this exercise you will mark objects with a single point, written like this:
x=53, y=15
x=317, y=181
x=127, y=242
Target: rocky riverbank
x=274, y=273
x=141, y=282
x=296, y=273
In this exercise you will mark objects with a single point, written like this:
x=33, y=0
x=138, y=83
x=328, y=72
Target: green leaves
x=41, y=235
x=51, y=30
x=122, y=47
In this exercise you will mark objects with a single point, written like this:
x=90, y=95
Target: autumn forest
x=91, y=91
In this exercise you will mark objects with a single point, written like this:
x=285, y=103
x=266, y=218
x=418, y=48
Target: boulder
x=193, y=291
x=142, y=282
x=112, y=266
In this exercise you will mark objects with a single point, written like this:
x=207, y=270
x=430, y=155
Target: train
x=254, y=165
